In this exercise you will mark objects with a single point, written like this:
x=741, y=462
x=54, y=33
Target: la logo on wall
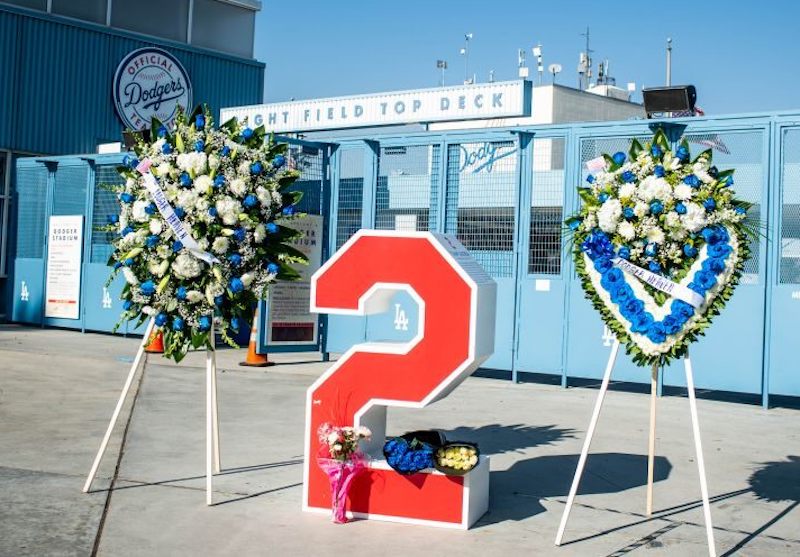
x=150, y=82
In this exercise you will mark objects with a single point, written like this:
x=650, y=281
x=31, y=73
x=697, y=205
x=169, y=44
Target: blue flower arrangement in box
x=659, y=244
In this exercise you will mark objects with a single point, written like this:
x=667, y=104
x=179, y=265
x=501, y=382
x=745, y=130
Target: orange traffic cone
x=254, y=359
x=156, y=344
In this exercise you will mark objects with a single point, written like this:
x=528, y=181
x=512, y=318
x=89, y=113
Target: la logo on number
x=106, y=298
x=400, y=319
x=24, y=294
x=608, y=336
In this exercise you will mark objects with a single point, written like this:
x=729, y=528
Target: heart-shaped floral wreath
x=202, y=231
x=659, y=244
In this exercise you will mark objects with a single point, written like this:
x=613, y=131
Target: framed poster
x=63, y=286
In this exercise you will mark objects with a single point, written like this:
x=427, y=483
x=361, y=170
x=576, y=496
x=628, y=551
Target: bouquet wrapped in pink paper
x=342, y=460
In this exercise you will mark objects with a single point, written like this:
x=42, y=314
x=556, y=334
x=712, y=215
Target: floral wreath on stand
x=659, y=244
x=201, y=227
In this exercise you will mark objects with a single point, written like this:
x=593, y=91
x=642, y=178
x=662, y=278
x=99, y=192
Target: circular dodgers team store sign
x=150, y=82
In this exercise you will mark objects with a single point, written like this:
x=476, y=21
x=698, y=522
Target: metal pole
x=669, y=62
x=651, y=447
x=210, y=357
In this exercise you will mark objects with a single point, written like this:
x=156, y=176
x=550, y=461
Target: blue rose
x=705, y=279
x=574, y=224
x=628, y=213
x=602, y=264
x=729, y=181
x=710, y=204
x=152, y=241
x=161, y=319
x=597, y=244
x=117, y=265
x=212, y=211
x=177, y=323
x=199, y=145
x=273, y=268
x=147, y=288
x=185, y=180
x=654, y=267
x=697, y=288
x=682, y=153
x=219, y=181
x=278, y=161
x=640, y=322
x=162, y=131
x=180, y=212
x=236, y=324
x=151, y=209
x=272, y=228
x=628, y=177
x=166, y=148
x=112, y=219
x=681, y=310
x=219, y=300
x=671, y=325
x=714, y=265
x=618, y=158
x=689, y=250
x=128, y=262
x=235, y=259
x=125, y=197
x=180, y=293
x=624, y=252
x=177, y=245
x=631, y=307
x=239, y=234
x=655, y=151
x=289, y=210
x=247, y=133
x=603, y=197
x=204, y=323
x=127, y=230
x=651, y=250
x=225, y=151
x=590, y=179
x=692, y=180
x=127, y=304
x=250, y=201
x=711, y=235
x=657, y=333
x=621, y=293
x=656, y=207
x=680, y=208
x=199, y=122
x=659, y=171
x=256, y=168
x=130, y=161
x=719, y=250
x=236, y=285
x=611, y=278
x=741, y=210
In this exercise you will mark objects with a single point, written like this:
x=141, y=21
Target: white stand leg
x=215, y=409
x=701, y=467
x=123, y=395
x=210, y=357
x=651, y=448
x=588, y=441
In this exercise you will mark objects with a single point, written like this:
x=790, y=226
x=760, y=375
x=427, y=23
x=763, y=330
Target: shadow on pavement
x=497, y=438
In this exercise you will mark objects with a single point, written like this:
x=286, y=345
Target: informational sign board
x=463, y=102
x=289, y=320
x=63, y=286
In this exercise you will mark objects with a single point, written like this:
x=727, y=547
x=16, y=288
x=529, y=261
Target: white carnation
x=220, y=245
x=609, y=214
x=264, y=196
x=194, y=163
x=238, y=187
x=202, y=205
x=672, y=219
x=695, y=217
x=655, y=235
x=186, y=266
x=213, y=161
x=194, y=296
x=626, y=230
x=228, y=210
x=138, y=212
x=158, y=268
x=130, y=183
x=203, y=184
x=641, y=209
x=627, y=190
x=187, y=198
x=247, y=279
x=155, y=226
x=683, y=192
x=653, y=188
x=259, y=233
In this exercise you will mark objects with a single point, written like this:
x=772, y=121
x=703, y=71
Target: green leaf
x=587, y=196
x=635, y=149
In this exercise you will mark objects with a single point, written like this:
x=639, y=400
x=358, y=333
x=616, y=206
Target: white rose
x=627, y=190
x=238, y=187
x=626, y=230
x=138, y=212
x=155, y=226
x=203, y=184
x=683, y=192
x=220, y=245
x=609, y=214
x=695, y=217
x=247, y=279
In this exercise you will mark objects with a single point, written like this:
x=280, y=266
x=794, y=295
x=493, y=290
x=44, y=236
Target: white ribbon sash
x=661, y=283
x=169, y=215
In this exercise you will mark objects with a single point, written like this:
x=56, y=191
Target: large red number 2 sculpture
x=456, y=334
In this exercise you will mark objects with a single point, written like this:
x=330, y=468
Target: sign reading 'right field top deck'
x=467, y=102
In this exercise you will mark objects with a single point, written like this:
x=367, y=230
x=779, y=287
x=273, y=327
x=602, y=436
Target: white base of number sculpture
x=651, y=456
x=212, y=419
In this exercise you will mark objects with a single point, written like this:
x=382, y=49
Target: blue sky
x=741, y=55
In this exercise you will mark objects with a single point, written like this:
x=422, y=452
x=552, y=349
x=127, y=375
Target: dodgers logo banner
x=150, y=82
